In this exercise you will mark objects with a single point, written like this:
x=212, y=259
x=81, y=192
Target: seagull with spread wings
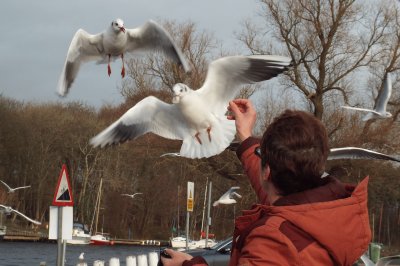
x=132, y=195
x=382, y=100
x=228, y=197
x=358, y=153
x=197, y=117
x=9, y=210
x=12, y=190
x=113, y=43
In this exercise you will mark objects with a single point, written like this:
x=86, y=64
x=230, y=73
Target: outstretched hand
x=177, y=258
x=244, y=114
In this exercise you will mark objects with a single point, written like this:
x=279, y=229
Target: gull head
x=179, y=91
x=388, y=115
x=117, y=25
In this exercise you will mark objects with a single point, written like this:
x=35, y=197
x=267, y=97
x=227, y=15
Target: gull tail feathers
x=222, y=134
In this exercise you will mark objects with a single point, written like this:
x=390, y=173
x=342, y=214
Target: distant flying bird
x=114, y=43
x=358, y=153
x=132, y=195
x=9, y=210
x=228, y=198
x=12, y=190
x=172, y=154
x=196, y=116
x=382, y=100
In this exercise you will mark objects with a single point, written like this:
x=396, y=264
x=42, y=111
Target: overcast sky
x=35, y=36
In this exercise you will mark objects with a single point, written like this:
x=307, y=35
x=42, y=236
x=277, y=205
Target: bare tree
x=327, y=40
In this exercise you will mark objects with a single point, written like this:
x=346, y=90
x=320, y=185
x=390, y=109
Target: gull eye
x=181, y=90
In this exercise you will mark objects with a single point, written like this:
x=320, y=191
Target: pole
x=187, y=229
x=208, y=212
x=177, y=225
x=204, y=208
x=59, y=237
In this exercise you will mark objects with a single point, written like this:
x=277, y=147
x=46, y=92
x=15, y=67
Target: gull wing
x=8, y=187
x=148, y=115
x=84, y=47
x=26, y=217
x=9, y=209
x=384, y=95
x=226, y=75
x=21, y=187
x=152, y=36
x=360, y=109
x=358, y=153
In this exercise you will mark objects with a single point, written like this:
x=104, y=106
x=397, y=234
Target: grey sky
x=35, y=36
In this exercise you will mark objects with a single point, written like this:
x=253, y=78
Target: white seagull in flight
x=114, y=43
x=9, y=210
x=132, y=195
x=382, y=100
x=358, y=153
x=228, y=198
x=197, y=117
x=12, y=190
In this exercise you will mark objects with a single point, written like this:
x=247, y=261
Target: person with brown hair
x=304, y=217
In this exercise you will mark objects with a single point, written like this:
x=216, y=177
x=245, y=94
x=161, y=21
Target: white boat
x=80, y=235
x=180, y=242
x=202, y=243
x=101, y=239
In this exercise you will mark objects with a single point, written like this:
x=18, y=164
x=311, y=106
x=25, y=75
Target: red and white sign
x=63, y=194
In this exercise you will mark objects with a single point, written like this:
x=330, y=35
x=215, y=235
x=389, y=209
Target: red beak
x=122, y=29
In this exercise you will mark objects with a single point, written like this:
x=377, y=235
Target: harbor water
x=33, y=253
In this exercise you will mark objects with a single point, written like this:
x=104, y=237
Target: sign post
x=63, y=213
x=190, y=203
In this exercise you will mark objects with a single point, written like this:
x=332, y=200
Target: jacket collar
x=333, y=190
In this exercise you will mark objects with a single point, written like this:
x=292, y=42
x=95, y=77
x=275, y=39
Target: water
x=28, y=253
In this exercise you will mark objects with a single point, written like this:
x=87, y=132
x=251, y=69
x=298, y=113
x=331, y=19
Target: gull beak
x=176, y=99
x=122, y=29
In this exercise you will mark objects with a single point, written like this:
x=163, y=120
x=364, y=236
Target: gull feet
x=109, y=70
x=208, y=132
x=123, y=71
x=197, y=137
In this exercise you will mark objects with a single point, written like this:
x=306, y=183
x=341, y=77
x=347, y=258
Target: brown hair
x=295, y=147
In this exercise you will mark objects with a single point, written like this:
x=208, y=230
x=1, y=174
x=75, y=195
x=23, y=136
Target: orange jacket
x=328, y=225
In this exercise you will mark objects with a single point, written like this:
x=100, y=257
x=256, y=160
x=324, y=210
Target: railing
x=150, y=259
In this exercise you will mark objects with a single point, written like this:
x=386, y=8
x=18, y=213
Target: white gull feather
x=114, y=43
x=197, y=117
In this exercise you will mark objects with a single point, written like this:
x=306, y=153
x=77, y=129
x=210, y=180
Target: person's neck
x=272, y=193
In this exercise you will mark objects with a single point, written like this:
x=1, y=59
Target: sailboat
x=99, y=238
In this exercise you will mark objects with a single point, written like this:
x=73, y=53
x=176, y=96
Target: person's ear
x=266, y=173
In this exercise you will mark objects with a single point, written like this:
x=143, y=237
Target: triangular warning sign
x=63, y=194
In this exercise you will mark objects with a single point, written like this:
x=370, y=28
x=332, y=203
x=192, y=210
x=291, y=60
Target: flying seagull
x=197, y=117
x=114, y=43
x=132, y=195
x=382, y=100
x=12, y=190
x=358, y=153
x=9, y=210
x=172, y=154
x=228, y=198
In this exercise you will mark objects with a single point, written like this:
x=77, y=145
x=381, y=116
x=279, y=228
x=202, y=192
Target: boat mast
x=96, y=209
